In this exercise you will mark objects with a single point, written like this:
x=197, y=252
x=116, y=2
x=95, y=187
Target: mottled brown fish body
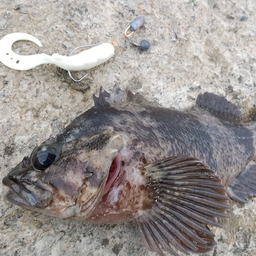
x=156, y=133
x=128, y=160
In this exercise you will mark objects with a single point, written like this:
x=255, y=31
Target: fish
x=174, y=173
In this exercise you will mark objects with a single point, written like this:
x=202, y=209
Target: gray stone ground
x=214, y=51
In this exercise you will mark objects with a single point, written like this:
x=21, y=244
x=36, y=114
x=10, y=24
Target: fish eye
x=43, y=157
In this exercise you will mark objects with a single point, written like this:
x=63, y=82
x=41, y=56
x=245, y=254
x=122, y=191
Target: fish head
x=66, y=178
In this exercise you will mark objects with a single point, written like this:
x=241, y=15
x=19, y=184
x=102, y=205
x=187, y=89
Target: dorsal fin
x=102, y=100
x=219, y=106
x=117, y=95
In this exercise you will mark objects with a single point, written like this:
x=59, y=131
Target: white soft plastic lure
x=82, y=61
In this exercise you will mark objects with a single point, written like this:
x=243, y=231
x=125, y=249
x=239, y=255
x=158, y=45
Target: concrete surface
x=197, y=46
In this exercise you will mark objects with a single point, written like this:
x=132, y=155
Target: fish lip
x=20, y=195
x=12, y=195
x=9, y=181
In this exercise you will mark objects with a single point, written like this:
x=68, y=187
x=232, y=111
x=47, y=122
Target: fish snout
x=25, y=188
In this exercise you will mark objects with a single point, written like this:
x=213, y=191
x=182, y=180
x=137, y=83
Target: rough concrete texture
x=197, y=46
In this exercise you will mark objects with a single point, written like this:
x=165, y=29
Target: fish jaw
x=25, y=190
x=23, y=197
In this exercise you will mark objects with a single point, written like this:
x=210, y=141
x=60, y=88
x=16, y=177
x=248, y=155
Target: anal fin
x=244, y=185
x=188, y=197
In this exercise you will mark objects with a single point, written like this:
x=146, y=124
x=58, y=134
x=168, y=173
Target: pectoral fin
x=244, y=185
x=188, y=197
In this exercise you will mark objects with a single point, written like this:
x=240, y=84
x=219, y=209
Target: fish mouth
x=25, y=194
x=113, y=173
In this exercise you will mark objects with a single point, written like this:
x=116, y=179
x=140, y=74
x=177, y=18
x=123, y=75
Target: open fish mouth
x=113, y=173
x=25, y=194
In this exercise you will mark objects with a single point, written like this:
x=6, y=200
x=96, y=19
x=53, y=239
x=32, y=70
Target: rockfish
x=127, y=159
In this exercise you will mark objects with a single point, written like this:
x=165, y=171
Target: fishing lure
x=84, y=60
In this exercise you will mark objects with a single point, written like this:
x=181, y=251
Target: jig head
x=82, y=61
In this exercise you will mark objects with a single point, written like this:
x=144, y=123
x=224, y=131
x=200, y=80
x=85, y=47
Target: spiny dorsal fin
x=188, y=197
x=117, y=95
x=103, y=98
x=219, y=106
